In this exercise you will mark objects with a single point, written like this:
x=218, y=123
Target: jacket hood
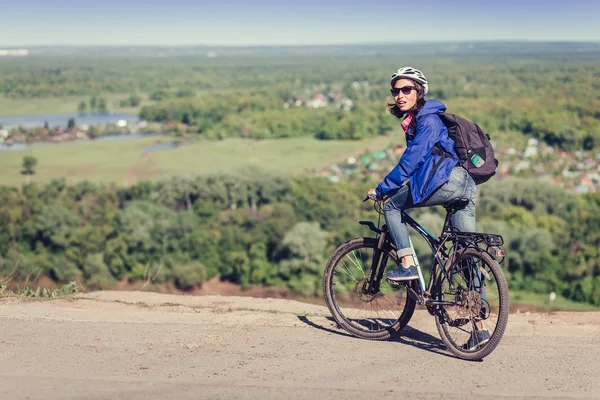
x=431, y=107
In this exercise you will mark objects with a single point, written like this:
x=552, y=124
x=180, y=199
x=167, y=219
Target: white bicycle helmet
x=411, y=73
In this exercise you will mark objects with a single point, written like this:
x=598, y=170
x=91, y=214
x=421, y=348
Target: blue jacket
x=425, y=171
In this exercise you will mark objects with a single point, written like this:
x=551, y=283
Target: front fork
x=376, y=270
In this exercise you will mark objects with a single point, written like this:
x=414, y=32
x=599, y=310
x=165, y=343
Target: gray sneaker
x=476, y=340
x=403, y=274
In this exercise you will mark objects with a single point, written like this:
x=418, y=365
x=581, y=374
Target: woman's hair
x=395, y=110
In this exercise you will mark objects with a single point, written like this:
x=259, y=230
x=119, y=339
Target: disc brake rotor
x=361, y=294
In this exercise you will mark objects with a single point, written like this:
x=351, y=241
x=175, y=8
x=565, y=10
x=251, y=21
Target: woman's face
x=405, y=101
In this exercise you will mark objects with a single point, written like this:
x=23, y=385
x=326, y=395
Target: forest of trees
x=256, y=228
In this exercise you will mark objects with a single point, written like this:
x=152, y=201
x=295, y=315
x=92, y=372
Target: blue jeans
x=459, y=185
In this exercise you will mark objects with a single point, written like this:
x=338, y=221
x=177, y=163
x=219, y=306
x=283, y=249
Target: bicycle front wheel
x=365, y=312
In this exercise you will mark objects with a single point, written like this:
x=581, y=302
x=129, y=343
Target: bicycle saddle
x=456, y=205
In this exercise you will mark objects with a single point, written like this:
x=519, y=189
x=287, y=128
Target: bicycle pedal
x=394, y=282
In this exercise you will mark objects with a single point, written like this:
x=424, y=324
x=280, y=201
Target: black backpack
x=472, y=146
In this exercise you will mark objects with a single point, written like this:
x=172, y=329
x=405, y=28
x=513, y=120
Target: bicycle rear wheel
x=365, y=313
x=477, y=287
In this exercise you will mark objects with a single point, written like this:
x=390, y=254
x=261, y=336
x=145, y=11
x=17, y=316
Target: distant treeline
x=254, y=228
x=551, y=95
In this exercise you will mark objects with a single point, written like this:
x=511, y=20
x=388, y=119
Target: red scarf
x=406, y=122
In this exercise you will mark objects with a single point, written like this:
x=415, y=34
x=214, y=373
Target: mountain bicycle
x=467, y=292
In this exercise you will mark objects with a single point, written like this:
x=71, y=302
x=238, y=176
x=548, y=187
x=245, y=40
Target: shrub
x=189, y=275
x=96, y=272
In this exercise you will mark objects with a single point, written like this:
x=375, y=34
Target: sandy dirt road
x=134, y=345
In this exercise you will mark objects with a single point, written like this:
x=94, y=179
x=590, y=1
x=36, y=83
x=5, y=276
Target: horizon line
x=424, y=42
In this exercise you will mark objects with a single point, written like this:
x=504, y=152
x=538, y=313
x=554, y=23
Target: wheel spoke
x=347, y=271
x=357, y=263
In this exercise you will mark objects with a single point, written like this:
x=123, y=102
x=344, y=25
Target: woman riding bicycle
x=427, y=173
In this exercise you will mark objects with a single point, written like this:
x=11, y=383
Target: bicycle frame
x=439, y=251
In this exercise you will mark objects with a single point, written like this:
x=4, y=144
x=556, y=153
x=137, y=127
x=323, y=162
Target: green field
x=123, y=162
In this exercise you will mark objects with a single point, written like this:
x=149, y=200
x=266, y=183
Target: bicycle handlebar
x=373, y=197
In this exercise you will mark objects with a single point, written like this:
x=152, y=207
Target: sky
x=292, y=22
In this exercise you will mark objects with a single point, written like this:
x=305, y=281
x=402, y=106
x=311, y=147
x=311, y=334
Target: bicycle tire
x=335, y=308
x=443, y=326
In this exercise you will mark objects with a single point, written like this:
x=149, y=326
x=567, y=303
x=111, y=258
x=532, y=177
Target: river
x=38, y=120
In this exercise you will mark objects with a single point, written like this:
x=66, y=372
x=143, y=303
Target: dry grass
x=10, y=288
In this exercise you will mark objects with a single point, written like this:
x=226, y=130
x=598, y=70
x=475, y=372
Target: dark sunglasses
x=404, y=89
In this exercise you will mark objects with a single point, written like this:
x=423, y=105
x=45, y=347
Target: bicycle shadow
x=408, y=336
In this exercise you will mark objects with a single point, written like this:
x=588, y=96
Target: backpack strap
x=439, y=151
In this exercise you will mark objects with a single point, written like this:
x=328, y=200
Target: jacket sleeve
x=427, y=135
